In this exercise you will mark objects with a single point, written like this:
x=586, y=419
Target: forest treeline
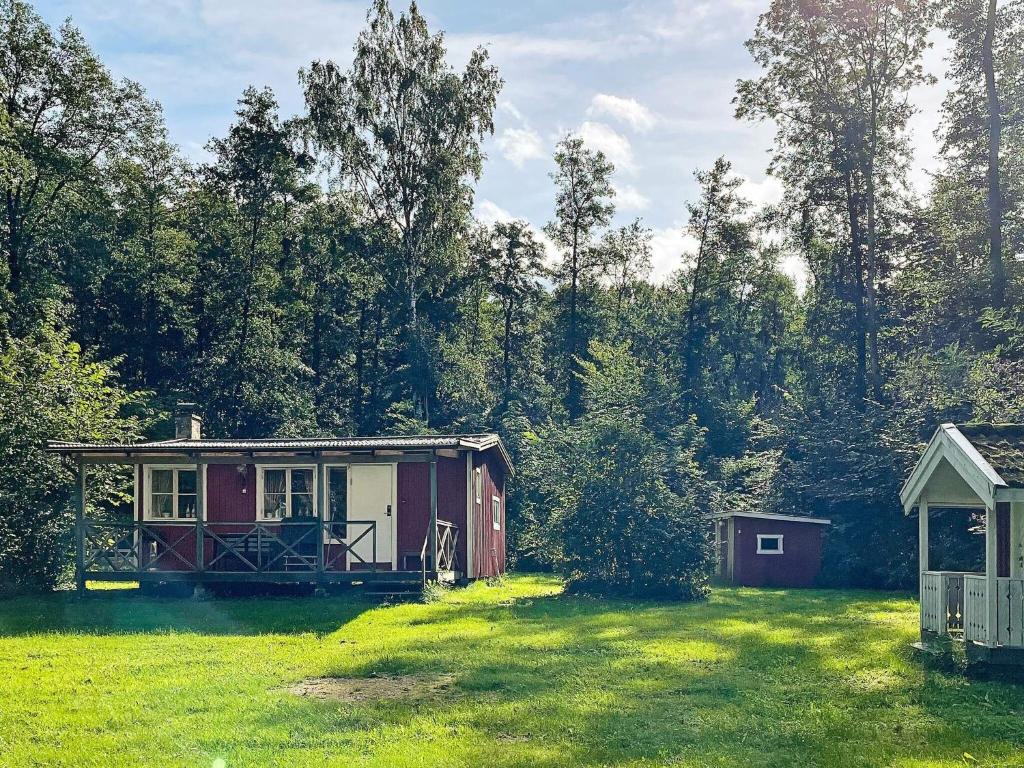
x=322, y=274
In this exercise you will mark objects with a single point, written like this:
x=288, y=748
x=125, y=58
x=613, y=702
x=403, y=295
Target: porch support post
x=321, y=505
x=200, y=514
x=80, y=479
x=991, y=598
x=922, y=552
x=433, y=511
x=922, y=535
x=1016, y=539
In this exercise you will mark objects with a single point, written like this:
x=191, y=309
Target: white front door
x=371, y=498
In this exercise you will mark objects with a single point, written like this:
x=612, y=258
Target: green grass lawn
x=753, y=677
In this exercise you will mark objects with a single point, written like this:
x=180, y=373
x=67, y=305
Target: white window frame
x=147, y=493
x=760, y=539
x=496, y=512
x=261, y=468
x=478, y=485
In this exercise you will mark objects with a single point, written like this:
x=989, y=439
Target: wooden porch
x=283, y=552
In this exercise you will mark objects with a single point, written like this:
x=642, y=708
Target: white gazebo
x=980, y=467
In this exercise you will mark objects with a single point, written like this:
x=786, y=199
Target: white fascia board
x=950, y=443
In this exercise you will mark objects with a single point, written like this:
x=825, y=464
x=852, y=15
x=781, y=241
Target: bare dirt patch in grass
x=377, y=688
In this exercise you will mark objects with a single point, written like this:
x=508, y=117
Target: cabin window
x=769, y=544
x=337, y=495
x=496, y=512
x=478, y=485
x=287, y=492
x=172, y=493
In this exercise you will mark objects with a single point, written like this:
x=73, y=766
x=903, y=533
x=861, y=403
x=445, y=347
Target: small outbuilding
x=766, y=550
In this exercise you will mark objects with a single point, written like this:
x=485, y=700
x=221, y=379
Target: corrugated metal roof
x=473, y=442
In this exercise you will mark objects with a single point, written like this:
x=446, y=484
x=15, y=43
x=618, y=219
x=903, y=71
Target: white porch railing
x=933, y=603
x=975, y=593
x=1009, y=608
x=1010, y=612
x=953, y=601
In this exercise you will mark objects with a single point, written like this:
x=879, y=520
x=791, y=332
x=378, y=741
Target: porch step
x=930, y=648
x=394, y=590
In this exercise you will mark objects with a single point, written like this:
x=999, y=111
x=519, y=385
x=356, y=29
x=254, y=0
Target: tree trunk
x=995, y=127
x=690, y=348
x=857, y=257
x=575, y=403
x=506, y=350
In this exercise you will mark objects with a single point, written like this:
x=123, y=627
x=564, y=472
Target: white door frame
x=349, y=467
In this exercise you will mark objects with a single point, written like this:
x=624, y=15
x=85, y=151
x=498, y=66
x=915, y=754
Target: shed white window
x=286, y=492
x=478, y=485
x=171, y=493
x=769, y=543
x=496, y=512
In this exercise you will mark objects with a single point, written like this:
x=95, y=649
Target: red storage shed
x=767, y=550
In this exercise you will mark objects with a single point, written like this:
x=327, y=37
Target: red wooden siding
x=451, y=499
x=230, y=493
x=797, y=566
x=413, y=510
x=489, y=544
x=414, y=505
x=231, y=505
x=1003, y=539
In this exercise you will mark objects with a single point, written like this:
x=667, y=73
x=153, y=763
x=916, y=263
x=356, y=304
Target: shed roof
x=971, y=464
x=470, y=442
x=773, y=516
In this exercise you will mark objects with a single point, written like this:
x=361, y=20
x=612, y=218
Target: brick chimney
x=187, y=425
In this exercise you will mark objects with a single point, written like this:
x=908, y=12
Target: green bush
x=49, y=391
x=622, y=513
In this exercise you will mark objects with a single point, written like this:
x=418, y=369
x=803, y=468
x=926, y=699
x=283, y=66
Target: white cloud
x=628, y=111
x=517, y=145
x=768, y=191
x=670, y=249
x=794, y=266
x=615, y=146
x=629, y=198
x=488, y=212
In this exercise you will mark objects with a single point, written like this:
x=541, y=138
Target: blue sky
x=649, y=82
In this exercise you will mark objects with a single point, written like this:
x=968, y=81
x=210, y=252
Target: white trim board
x=145, y=504
x=949, y=443
x=760, y=539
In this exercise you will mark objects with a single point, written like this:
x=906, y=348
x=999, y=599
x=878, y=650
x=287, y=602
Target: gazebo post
x=991, y=570
x=922, y=535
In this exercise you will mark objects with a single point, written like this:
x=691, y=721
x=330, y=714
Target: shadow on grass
x=751, y=677
x=815, y=678
x=106, y=612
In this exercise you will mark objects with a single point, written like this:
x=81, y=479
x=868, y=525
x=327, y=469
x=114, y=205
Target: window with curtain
x=287, y=492
x=172, y=494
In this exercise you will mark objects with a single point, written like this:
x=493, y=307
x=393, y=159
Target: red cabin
x=766, y=550
x=318, y=511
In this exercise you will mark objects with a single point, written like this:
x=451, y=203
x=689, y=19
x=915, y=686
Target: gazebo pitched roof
x=985, y=460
